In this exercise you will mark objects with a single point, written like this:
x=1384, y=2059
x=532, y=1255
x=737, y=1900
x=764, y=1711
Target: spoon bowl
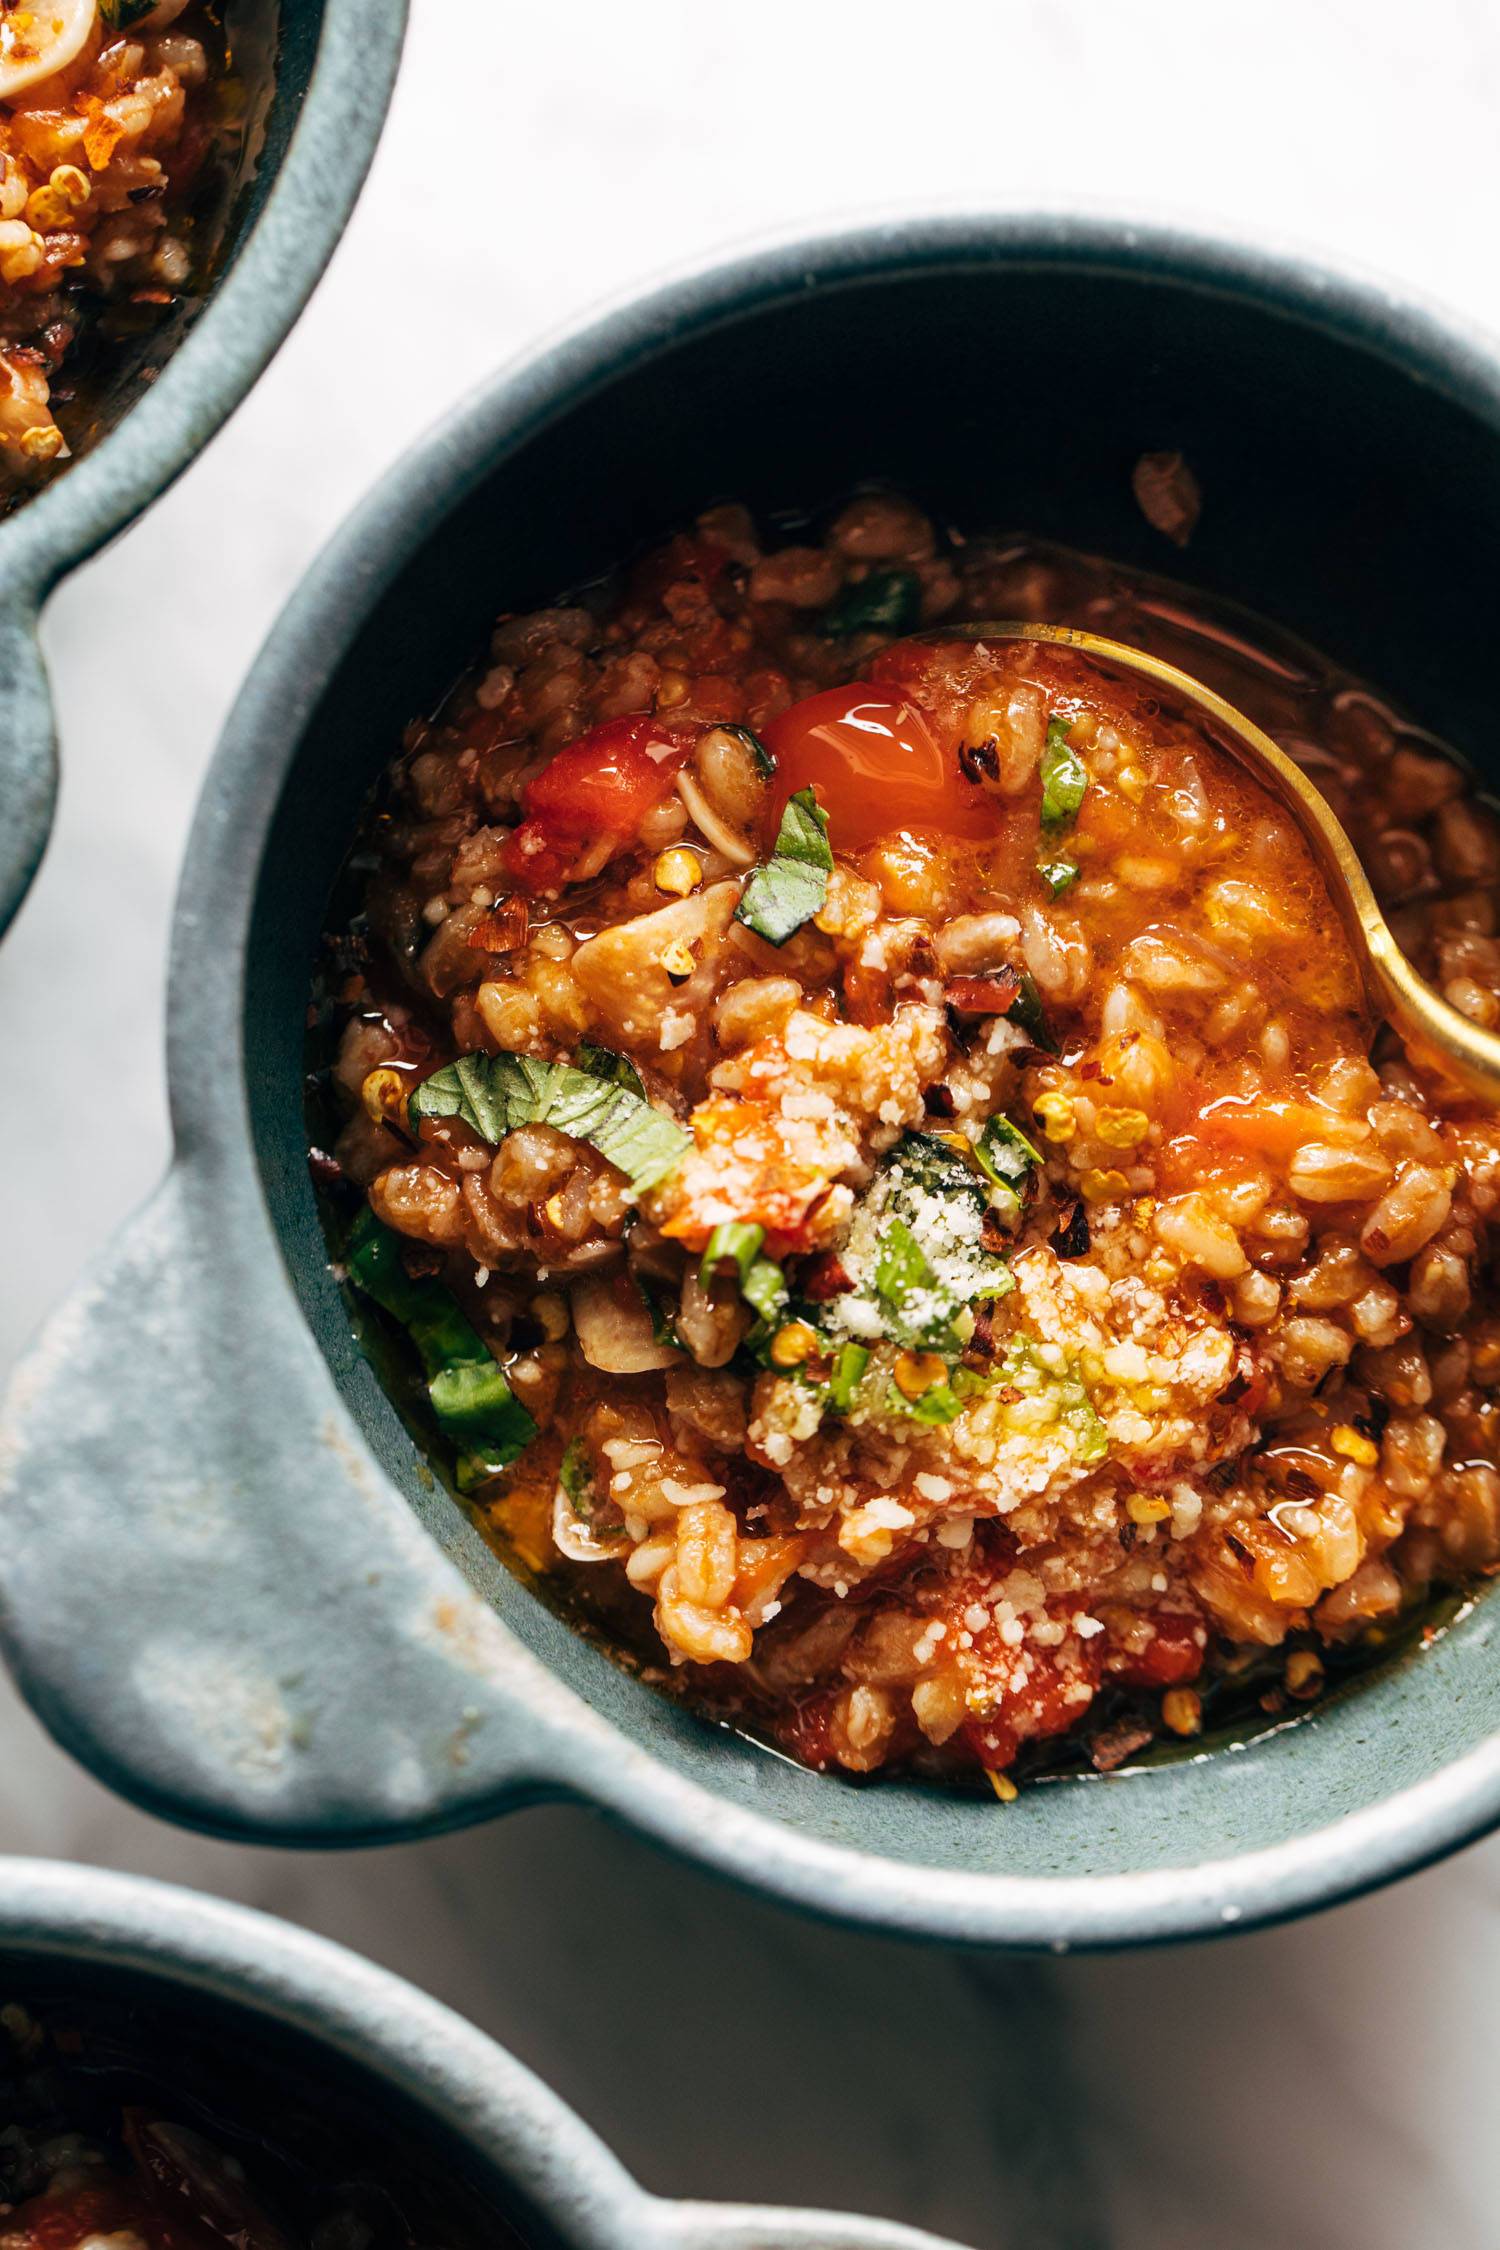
x=1459, y=1049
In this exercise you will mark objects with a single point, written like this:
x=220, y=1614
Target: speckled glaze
x=293, y=1632
x=544, y=2170
x=333, y=67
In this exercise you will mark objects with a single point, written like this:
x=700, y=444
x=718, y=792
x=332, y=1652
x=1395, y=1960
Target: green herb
x=736, y=1240
x=764, y=1289
x=888, y=601
x=473, y=1402
x=939, y=1405
x=1025, y=1368
x=615, y=1070
x=848, y=1370
x=762, y=1282
x=121, y=14
x=1026, y=1009
x=576, y=1476
x=1063, y=777
x=599, y=1102
x=793, y=884
x=1057, y=874
x=662, y=1310
x=1004, y=1154
x=902, y=1273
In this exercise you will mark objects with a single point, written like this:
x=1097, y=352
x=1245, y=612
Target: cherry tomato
x=601, y=786
x=875, y=766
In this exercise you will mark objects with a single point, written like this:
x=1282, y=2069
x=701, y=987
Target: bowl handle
x=208, y=1592
x=28, y=754
x=745, y=2226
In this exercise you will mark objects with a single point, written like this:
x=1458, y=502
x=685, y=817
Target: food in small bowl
x=127, y=2126
x=122, y=130
x=181, y=2074
x=896, y=1209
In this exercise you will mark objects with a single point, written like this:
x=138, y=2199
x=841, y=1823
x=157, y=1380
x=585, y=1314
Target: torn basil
x=1003, y=1152
x=738, y=1240
x=849, y=1366
x=474, y=1404
x=1026, y=1009
x=790, y=888
x=888, y=601
x=1064, y=779
x=576, y=1476
x=600, y=1102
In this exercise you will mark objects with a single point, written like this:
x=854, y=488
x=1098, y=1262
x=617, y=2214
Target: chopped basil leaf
x=1029, y=1373
x=1026, y=1009
x=790, y=888
x=888, y=601
x=493, y=1094
x=473, y=1402
x=616, y=1070
x=848, y=1370
x=735, y=1239
x=902, y=1273
x=662, y=1310
x=1063, y=777
x=938, y=1405
x=576, y=1476
x=1057, y=874
x=1004, y=1154
x=764, y=1289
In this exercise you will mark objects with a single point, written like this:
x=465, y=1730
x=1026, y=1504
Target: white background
x=1329, y=2085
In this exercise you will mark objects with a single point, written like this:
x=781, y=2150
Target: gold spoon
x=1422, y=1018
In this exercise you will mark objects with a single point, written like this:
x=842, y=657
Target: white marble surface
x=1329, y=2085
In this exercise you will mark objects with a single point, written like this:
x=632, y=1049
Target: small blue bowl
x=318, y=77
x=292, y=1630
x=409, y=2072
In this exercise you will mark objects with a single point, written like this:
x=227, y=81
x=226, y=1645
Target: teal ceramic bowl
x=318, y=76
x=398, y=2080
x=229, y=1583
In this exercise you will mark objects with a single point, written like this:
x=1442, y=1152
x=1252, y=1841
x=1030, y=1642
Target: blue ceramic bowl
x=292, y=1630
x=318, y=78
x=408, y=2073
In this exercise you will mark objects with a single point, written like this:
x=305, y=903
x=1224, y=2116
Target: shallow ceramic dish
x=403, y=2066
x=291, y=1630
x=318, y=79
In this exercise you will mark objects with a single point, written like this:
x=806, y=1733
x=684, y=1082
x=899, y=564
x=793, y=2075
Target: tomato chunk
x=875, y=766
x=600, y=787
x=983, y=996
x=1174, y=1654
x=1054, y=1696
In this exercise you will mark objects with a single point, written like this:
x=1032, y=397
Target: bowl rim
x=457, y=2076
x=245, y=317
x=573, y=1750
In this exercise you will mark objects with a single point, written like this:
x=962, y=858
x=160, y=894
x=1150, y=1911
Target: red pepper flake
x=825, y=1278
